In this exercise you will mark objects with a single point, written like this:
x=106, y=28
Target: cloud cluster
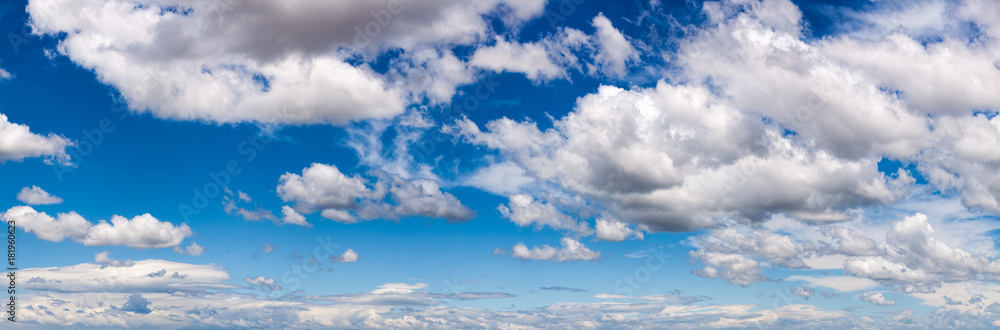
x=759, y=120
x=95, y=296
x=608, y=52
x=876, y=298
x=736, y=254
x=297, y=62
x=141, y=232
x=262, y=283
x=911, y=255
x=350, y=199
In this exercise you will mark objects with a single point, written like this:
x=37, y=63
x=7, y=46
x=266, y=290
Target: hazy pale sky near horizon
x=502, y=163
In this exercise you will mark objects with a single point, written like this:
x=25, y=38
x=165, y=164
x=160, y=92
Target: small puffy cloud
x=36, y=196
x=227, y=63
x=803, y=291
x=876, y=298
x=614, y=52
x=571, y=250
x=103, y=259
x=347, y=256
x=262, y=283
x=532, y=59
x=322, y=186
x=5, y=75
x=17, y=142
x=141, y=232
x=160, y=273
x=191, y=250
x=290, y=216
x=678, y=157
x=851, y=243
x=231, y=205
x=268, y=248
x=615, y=231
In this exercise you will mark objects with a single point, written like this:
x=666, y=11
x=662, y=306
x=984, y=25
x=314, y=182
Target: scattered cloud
x=876, y=298
x=37, y=196
x=571, y=250
x=103, y=259
x=349, y=199
x=262, y=283
x=347, y=256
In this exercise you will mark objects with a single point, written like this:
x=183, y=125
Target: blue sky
x=453, y=164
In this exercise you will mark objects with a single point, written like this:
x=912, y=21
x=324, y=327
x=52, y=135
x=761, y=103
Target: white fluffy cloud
x=262, y=283
x=876, y=298
x=614, y=51
x=571, y=250
x=17, y=142
x=262, y=62
x=525, y=211
x=104, y=259
x=347, y=256
x=289, y=216
x=608, y=52
x=141, y=232
x=738, y=254
x=191, y=250
x=530, y=58
x=758, y=120
x=712, y=161
x=349, y=199
x=37, y=196
x=615, y=231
